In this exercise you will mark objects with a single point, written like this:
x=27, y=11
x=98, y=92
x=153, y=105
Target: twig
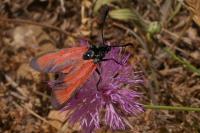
x=174, y=47
x=188, y=22
x=36, y=23
x=35, y=114
x=165, y=10
x=175, y=35
x=17, y=95
x=40, y=93
x=15, y=85
x=62, y=4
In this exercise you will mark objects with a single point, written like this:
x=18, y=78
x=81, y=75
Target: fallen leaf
x=56, y=118
x=194, y=7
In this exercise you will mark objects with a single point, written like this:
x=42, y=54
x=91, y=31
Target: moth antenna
x=104, y=14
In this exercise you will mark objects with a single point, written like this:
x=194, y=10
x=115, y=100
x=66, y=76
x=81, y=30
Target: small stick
x=35, y=114
x=62, y=4
x=17, y=95
x=37, y=24
x=15, y=85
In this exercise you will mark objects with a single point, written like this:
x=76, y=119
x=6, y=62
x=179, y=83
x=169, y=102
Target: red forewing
x=68, y=84
x=73, y=71
x=58, y=60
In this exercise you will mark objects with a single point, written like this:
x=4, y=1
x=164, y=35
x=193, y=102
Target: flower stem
x=160, y=107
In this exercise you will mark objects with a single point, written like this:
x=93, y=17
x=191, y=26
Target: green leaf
x=123, y=14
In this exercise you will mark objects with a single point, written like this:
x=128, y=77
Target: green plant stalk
x=182, y=61
x=177, y=9
x=175, y=108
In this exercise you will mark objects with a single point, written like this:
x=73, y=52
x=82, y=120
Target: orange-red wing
x=72, y=81
x=58, y=60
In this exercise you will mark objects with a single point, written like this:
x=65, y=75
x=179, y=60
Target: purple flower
x=111, y=101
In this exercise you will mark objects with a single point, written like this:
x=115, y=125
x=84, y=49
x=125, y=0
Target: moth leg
x=119, y=63
x=100, y=78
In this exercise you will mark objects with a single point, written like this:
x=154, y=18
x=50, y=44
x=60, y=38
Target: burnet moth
x=74, y=65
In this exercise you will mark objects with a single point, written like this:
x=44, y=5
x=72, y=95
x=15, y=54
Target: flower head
x=111, y=99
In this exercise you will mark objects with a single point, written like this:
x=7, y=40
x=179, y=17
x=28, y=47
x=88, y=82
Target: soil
x=29, y=28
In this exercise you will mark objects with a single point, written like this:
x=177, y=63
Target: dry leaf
x=194, y=7
x=56, y=118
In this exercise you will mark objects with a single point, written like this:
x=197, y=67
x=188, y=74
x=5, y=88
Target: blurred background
x=165, y=35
